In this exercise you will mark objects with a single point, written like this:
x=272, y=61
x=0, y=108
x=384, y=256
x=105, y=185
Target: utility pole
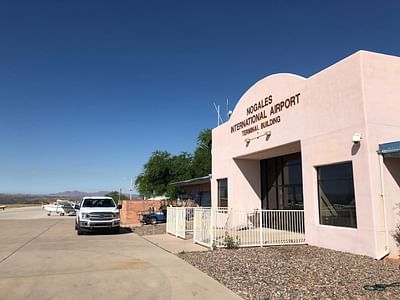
x=130, y=190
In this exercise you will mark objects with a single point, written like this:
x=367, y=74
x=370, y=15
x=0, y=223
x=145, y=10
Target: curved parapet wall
x=259, y=95
x=266, y=104
x=271, y=105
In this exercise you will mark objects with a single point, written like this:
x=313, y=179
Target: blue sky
x=89, y=89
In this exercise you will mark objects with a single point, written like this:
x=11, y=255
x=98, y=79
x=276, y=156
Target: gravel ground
x=150, y=229
x=296, y=272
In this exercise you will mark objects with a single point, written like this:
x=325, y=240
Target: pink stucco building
x=326, y=144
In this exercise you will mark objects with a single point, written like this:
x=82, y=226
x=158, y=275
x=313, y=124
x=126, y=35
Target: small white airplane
x=61, y=207
x=3, y=207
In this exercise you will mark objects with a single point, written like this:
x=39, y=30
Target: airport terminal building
x=328, y=144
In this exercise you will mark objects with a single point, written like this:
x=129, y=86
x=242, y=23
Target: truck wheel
x=153, y=221
x=115, y=230
x=79, y=230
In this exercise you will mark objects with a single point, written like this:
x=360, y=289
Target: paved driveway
x=43, y=258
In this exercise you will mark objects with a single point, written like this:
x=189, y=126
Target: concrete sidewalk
x=45, y=259
x=174, y=244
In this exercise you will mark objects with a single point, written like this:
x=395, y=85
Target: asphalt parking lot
x=42, y=258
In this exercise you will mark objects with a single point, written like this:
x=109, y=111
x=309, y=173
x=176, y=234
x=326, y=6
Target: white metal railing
x=189, y=219
x=176, y=221
x=202, y=233
x=180, y=221
x=260, y=228
x=216, y=227
x=171, y=223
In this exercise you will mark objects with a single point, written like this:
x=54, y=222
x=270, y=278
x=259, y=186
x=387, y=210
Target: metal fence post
x=194, y=225
x=212, y=221
x=260, y=226
x=176, y=221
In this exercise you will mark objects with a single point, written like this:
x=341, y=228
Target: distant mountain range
x=45, y=198
x=49, y=198
x=75, y=194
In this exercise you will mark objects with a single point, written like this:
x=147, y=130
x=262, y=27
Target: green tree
x=180, y=170
x=155, y=176
x=202, y=155
x=162, y=168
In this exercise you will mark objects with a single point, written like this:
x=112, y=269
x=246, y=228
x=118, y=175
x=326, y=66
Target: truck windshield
x=98, y=203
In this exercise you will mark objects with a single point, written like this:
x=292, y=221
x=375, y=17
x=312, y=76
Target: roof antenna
x=219, y=119
x=228, y=111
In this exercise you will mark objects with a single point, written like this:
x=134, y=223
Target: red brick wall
x=132, y=210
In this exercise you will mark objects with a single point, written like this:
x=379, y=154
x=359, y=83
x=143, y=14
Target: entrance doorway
x=282, y=182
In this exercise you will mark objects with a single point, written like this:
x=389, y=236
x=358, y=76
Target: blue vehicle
x=154, y=218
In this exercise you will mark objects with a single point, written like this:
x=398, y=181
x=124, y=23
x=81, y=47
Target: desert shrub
x=230, y=242
x=396, y=235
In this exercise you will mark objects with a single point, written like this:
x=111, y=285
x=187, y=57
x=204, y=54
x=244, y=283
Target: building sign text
x=266, y=111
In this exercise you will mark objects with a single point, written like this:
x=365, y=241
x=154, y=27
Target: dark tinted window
x=337, y=204
x=223, y=192
x=98, y=203
x=282, y=183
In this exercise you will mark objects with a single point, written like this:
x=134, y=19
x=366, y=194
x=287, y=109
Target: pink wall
x=381, y=83
x=358, y=94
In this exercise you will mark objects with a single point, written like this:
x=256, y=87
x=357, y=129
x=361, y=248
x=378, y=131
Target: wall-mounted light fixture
x=247, y=141
x=357, y=137
x=267, y=134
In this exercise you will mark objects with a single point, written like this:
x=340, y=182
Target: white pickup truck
x=97, y=213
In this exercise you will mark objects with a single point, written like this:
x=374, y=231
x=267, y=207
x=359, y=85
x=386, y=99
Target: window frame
x=219, y=198
x=352, y=220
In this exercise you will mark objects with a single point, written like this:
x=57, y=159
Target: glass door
x=281, y=182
